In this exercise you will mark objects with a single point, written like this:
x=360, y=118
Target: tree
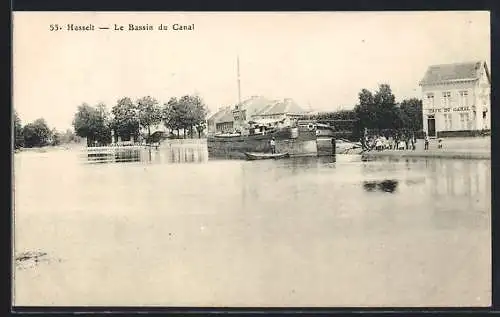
x=92, y=123
x=174, y=115
x=18, y=132
x=103, y=131
x=56, y=137
x=31, y=138
x=366, y=98
x=366, y=110
x=36, y=133
x=69, y=137
x=384, y=96
x=149, y=113
x=186, y=113
x=378, y=111
x=386, y=110
x=411, y=112
x=125, y=120
x=197, y=113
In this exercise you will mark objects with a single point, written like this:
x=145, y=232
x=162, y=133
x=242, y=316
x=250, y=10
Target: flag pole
x=238, y=78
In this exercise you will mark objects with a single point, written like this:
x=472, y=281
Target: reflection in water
x=304, y=224
x=452, y=178
x=388, y=186
x=460, y=191
x=114, y=156
x=165, y=154
x=415, y=181
x=128, y=156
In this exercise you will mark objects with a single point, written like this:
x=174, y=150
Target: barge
x=298, y=140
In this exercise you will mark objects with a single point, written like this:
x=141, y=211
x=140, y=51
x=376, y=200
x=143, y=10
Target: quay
x=431, y=154
x=453, y=148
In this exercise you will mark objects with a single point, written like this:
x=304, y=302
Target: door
x=431, y=127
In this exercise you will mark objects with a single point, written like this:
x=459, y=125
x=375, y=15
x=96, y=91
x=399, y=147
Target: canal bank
x=454, y=148
x=470, y=155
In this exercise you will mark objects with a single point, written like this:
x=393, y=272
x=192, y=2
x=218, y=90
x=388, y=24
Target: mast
x=238, y=78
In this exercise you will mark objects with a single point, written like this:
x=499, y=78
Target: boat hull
x=303, y=143
x=265, y=156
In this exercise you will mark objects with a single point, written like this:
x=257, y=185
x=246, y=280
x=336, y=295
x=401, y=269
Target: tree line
x=375, y=111
x=378, y=112
x=38, y=134
x=127, y=118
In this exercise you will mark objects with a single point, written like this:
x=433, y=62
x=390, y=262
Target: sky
x=321, y=60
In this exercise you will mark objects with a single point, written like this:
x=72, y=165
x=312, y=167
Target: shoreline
x=46, y=148
x=466, y=155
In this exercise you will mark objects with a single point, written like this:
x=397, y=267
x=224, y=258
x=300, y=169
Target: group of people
x=397, y=142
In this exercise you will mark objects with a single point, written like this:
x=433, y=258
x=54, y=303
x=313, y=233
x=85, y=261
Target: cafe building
x=456, y=99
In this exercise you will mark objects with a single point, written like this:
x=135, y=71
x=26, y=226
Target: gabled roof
x=227, y=117
x=255, y=105
x=258, y=105
x=280, y=107
x=220, y=114
x=445, y=73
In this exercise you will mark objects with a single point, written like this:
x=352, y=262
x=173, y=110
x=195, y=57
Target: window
x=446, y=98
x=464, y=98
x=430, y=100
x=447, y=121
x=464, y=121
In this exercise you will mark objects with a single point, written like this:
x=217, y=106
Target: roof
x=227, y=117
x=445, y=73
x=280, y=107
x=220, y=114
x=258, y=105
x=255, y=104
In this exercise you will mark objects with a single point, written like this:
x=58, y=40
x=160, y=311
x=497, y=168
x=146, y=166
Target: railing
x=185, y=141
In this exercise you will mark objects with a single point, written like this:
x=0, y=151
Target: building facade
x=216, y=123
x=456, y=99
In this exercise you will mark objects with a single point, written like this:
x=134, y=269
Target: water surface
x=170, y=227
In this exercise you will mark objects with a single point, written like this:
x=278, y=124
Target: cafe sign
x=445, y=110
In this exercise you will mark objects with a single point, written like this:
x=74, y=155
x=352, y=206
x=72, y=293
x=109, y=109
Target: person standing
x=426, y=142
x=272, y=143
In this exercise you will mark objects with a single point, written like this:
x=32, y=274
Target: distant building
x=258, y=110
x=221, y=121
x=456, y=99
x=280, y=110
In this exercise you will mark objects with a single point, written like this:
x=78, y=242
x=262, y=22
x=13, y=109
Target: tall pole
x=238, y=76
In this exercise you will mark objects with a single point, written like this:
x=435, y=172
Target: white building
x=456, y=99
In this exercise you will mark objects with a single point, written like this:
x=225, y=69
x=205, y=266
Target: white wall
x=455, y=107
